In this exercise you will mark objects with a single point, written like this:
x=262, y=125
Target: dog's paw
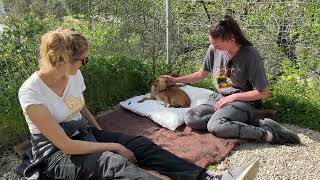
x=180, y=84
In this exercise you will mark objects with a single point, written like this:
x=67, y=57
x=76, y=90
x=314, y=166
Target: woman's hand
x=125, y=152
x=170, y=78
x=224, y=100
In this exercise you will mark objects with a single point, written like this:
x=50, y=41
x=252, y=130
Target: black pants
x=108, y=165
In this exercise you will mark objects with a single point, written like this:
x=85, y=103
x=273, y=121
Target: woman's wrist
x=235, y=96
x=113, y=147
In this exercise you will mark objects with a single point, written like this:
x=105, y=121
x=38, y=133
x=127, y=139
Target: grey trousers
x=233, y=120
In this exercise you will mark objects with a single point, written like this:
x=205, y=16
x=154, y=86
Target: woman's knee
x=192, y=117
x=198, y=117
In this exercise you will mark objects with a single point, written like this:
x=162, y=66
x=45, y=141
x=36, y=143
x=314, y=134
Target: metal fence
x=280, y=30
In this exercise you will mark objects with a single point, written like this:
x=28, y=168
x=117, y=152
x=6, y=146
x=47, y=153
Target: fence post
x=153, y=47
x=168, y=33
x=90, y=14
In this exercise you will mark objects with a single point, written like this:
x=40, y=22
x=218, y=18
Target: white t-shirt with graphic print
x=63, y=109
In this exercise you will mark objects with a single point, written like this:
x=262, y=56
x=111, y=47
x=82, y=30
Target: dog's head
x=161, y=83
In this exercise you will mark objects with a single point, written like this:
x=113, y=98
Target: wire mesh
x=280, y=30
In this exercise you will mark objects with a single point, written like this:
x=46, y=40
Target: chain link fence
x=280, y=30
x=116, y=30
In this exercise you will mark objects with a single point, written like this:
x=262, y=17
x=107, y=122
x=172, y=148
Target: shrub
x=18, y=59
x=296, y=97
x=110, y=80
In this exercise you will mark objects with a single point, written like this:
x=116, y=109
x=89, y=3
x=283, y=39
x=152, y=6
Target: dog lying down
x=168, y=92
x=173, y=96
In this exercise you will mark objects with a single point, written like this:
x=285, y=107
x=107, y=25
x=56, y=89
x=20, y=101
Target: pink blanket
x=200, y=147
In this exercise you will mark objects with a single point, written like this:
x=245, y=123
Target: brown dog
x=168, y=92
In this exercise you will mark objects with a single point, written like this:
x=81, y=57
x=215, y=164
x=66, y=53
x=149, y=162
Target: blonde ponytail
x=53, y=49
x=62, y=46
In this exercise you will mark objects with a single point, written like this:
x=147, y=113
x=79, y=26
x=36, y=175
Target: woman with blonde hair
x=64, y=145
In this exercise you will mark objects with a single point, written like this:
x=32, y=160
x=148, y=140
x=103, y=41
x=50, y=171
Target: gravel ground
x=281, y=161
x=276, y=162
x=8, y=163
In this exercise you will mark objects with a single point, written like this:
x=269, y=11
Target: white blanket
x=170, y=118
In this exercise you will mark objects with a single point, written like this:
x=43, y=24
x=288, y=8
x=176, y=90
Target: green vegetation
x=296, y=97
x=127, y=40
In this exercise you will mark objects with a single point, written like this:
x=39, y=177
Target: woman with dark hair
x=240, y=79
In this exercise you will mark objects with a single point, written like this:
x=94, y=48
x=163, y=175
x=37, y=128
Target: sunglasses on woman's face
x=83, y=61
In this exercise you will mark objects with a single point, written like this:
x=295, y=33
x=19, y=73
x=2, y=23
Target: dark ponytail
x=227, y=28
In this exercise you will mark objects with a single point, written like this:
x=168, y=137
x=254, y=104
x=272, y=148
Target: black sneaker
x=281, y=135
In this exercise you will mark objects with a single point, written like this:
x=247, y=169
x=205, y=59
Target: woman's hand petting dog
x=170, y=78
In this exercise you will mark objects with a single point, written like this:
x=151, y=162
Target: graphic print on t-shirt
x=222, y=76
x=74, y=104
